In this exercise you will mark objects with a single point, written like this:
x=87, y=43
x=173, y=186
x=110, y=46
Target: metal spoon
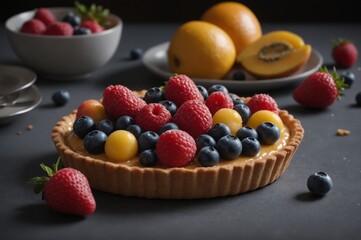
x=11, y=100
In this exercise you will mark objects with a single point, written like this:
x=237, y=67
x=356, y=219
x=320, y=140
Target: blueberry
x=72, y=19
x=245, y=132
x=83, y=125
x=136, y=53
x=349, y=78
x=239, y=75
x=250, y=146
x=203, y=91
x=106, y=126
x=124, y=122
x=268, y=133
x=61, y=97
x=319, y=183
x=205, y=140
x=358, y=99
x=208, y=156
x=82, y=31
x=154, y=95
x=219, y=130
x=167, y=126
x=236, y=100
x=135, y=129
x=243, y=110
x=170, y=106
x=229, y=147
x=148, y=158
x=217, y=88
x=147, y=140
x=94, y=141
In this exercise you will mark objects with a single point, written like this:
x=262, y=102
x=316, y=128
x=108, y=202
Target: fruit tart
x=180, y=141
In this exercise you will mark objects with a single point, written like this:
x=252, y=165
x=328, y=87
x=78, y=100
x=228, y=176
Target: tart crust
x=179, y=183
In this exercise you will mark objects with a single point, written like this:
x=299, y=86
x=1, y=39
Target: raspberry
x=93, y=26
x=59, y=29
x=175, y=148
x=152, y=116
x=33, y=26
x=193, y=117
x=218, y=100
x=118, y=101
x=262, y=101
x=44, y=15
x=180, y=88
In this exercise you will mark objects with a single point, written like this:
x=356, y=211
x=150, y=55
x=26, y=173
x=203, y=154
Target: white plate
x=15, y=78
x=30, y=95
x=155, y=59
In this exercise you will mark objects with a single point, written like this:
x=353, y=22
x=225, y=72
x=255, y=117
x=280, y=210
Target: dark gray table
x=283, y=210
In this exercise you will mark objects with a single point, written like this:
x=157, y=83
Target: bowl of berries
x=65, y=43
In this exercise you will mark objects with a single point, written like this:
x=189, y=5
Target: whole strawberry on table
x=320, y=89
x=65, y=190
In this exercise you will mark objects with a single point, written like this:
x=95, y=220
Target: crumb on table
x=342, y=132
x=29, y=127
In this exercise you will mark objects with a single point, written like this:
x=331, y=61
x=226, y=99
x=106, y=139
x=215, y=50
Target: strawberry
x=66, y=190
x=344, y=53
x=193, y=117
x=59, y=29
x=180, y=88
x=33, y=26
x=262, y=101
x=118, y=101
x=92, y=25
x=320, y=89
x=218, y=100
x=44, y=15
x=152, y=116
x=175, y=148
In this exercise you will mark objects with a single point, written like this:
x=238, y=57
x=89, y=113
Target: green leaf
x=47, y=169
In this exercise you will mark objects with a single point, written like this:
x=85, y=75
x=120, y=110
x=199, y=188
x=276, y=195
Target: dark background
x=304, y=11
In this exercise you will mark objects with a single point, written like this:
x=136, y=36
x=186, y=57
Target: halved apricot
x=276, y=54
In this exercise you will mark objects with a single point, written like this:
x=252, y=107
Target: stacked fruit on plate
x=229, y=35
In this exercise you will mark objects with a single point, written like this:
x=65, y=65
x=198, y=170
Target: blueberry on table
x=319, y=183
x=136, y=53
x=349, y=78
x=61, y=97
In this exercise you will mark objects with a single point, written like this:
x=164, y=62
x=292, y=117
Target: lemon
x=202, y=50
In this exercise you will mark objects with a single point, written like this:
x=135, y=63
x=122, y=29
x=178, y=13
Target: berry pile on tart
x=179, y=141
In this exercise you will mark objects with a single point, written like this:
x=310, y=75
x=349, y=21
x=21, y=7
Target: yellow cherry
x=264, y=116
x=229, y=117
x=121, y=146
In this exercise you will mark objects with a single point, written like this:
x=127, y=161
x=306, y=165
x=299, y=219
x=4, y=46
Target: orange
x=202, y=50
x=237, y=20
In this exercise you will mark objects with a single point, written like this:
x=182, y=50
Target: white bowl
x=62, y=57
